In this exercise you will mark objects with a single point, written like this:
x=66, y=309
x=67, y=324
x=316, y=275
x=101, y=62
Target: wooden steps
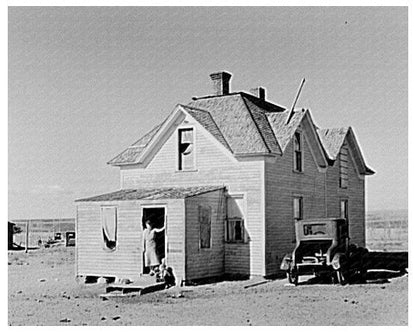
x=145, y=284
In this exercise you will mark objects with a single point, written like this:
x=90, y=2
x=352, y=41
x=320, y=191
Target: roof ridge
x=256, y=124
x=249, y=96
x=268, y=123
x=219, y=96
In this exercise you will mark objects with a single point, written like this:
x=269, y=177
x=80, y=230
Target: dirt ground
x=43, y=291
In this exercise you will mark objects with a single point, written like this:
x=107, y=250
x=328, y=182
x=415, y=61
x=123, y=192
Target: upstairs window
x=186, y=149
x=297, y=152
x=235, y=219
x=204, y=226
x=109, y=226
x=343, y=167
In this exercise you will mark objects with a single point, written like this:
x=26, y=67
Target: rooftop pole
x=294, y=102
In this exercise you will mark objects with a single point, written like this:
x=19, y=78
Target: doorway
x=156, y=216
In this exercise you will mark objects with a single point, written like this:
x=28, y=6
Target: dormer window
x=297, y=152
x=186, y=149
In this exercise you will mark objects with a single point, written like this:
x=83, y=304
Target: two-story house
x=227, y=175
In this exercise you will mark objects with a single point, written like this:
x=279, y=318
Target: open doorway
x=156, y=217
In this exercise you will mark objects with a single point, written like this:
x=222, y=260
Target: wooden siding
x=282, y=185
x=214, y=165
x=126, y=261
x=205, y=262
x=321, y=194
x=354, y=193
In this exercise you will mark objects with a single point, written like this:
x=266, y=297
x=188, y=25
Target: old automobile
x=323, y=249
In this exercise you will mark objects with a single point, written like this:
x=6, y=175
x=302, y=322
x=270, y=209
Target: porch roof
x=152, y=193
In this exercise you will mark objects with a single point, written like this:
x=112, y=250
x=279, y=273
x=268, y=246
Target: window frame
x=104, y=242
x=299, y=151
x=232, y=220
x=347, y=214
x=343, y=167
x=179, y=164
x=200, y=209
x=345, y=208
x=301, y=204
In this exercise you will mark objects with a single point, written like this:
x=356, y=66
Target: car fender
x=286, y=262
x=339, y=261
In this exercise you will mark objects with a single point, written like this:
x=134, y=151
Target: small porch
x=110, y=227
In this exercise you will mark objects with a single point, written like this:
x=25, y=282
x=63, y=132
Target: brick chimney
x=259, y=92
x=221, y=83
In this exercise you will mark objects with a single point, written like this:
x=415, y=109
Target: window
x=344, y=209
x=204, y=227
x=314, y=229
x=297, y=208
x=109, y=226
x=344, y=213
x=343, y=167
x=186, y=149
x=297, y=156
x=297, y=214
x=235, y=219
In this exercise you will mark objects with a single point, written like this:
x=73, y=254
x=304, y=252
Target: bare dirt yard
x=43, y=291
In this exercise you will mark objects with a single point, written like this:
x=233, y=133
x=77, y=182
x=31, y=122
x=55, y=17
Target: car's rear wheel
x=341, y=277
x=293, y=276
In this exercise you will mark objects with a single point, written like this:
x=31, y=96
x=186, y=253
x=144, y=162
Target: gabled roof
x=283, y=130
x=245, y=125
x=152, y=193
x=333, y=139
x=134, y=151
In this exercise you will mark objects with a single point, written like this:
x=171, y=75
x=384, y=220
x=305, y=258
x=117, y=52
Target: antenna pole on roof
x=294, y=102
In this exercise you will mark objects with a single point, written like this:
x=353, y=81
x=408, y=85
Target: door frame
x=155, y=206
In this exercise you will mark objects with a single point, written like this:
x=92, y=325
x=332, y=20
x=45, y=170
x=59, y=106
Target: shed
x=109, y=230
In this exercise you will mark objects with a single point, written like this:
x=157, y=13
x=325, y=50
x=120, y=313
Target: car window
x=314, y=229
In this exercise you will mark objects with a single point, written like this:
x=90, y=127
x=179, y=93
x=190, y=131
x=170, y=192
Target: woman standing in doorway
x=151, y=258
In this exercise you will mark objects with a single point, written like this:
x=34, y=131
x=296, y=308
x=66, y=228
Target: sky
x=86, y=82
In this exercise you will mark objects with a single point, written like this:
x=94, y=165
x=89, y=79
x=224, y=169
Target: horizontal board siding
x=282, y=184
x=237, y=258
x=354, y=193
x=176, y=238
x=93, y=259
x=213, y=166
x=205, y=262
x=126, y=261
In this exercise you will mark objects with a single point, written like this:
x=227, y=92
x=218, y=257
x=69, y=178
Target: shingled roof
x=240, y=122
x=152, y=193
x=206, y=120
x=332, y=140
x=283, y=130
x=133, y=152
x=245, y=125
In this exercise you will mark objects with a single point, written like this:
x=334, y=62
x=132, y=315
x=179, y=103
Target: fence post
x=27, y=236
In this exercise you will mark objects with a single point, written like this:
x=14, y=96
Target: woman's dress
x=150, y=256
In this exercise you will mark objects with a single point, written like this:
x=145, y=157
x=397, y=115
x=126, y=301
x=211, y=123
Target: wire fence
x=42, y=230
x=390, y=234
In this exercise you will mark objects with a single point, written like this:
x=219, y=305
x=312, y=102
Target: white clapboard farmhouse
x=227, y=175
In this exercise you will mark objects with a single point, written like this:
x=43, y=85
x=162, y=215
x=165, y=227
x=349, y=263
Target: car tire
x=292, y=276
x=341, y=277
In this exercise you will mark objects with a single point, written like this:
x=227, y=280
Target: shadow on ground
x=381, y=267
